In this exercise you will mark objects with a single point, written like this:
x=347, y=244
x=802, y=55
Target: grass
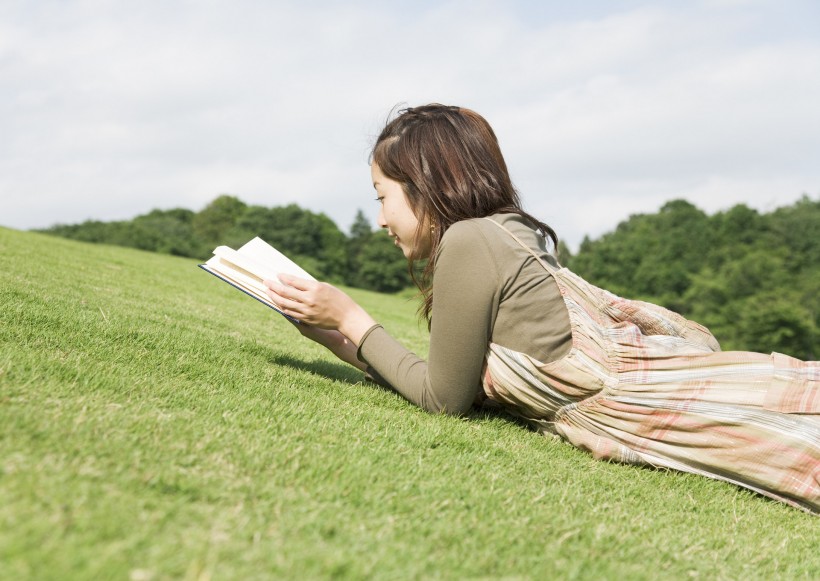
x=157, y=424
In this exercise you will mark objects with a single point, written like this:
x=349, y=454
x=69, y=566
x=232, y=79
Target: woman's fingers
x=280, y=296
x=291, y=307
x=293, y=288
x=296, y=282
x=280, y=289
x=292, y=300
x=309, y=301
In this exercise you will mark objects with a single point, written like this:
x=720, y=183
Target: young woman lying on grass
x=627, y=380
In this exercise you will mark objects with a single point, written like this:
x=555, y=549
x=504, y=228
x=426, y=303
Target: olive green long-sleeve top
x=487, y=288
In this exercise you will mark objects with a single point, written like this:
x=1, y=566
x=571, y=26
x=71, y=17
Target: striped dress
x=643, y=385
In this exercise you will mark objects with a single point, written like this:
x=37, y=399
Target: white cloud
x=110, y=109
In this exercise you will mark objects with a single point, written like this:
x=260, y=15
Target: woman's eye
x=380, y=199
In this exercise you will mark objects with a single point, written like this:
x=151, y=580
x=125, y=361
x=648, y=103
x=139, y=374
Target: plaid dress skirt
x=643, y=385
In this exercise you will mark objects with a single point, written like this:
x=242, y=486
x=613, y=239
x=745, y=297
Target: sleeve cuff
x=363, y=339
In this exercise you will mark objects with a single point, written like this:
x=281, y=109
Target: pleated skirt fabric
x=643, y=385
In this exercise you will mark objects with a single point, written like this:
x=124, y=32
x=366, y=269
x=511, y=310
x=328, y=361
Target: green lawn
x=157, y=424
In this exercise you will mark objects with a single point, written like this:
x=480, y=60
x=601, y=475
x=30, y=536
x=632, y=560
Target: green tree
x=563, y=253
x=374, y=262
x=169, y=232
x=774, y=321
x=751, y=278
x=360, y=234
x=650, y=255
x=212, y=224
x=299, y=233
x=361, y=226
x=796, y=228
x=381, y=267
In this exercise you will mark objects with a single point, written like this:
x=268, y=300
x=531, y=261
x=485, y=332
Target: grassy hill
x=157, y=424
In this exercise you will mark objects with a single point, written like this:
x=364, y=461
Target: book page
x=247, y=281
x=263, y=253
x=253, y=263
x=229, y=256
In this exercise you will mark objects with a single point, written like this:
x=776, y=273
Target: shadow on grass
x=335, y=371
x=346, y=374
x=490, y=412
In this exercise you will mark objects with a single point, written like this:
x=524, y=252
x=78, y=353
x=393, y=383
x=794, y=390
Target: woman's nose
x=380, y=220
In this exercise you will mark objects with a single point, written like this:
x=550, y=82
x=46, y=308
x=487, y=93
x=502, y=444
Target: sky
x=109, y=109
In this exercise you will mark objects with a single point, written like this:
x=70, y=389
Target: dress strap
x=547, y=266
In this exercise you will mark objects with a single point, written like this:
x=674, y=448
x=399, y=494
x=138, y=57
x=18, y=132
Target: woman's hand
x=319, y=304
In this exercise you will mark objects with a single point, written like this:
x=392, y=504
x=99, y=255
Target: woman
x=626, y=380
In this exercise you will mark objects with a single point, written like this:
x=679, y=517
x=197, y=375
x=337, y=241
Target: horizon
x=345, y=229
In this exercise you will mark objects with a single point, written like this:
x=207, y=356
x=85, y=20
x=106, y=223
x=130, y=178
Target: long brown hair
x=449, y=163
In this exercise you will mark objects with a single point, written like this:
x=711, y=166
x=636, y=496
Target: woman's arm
x=336, y=342
x=467, y=291
x=328, y=316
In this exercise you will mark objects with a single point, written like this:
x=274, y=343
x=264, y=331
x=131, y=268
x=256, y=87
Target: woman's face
x=397, y=216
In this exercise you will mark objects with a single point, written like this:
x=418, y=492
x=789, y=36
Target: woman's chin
x=412, y=253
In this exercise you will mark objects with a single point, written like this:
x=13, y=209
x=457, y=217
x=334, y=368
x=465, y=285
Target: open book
x=247, y=267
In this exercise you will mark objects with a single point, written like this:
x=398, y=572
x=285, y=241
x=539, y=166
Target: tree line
x=751, y=278
x=364, y=258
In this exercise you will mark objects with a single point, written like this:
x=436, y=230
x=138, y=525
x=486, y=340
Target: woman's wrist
x=356, y=324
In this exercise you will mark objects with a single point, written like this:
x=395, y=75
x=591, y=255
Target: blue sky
x=109, y=109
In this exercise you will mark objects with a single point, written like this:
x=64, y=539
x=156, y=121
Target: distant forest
x=752, y=278
x=362, y=258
